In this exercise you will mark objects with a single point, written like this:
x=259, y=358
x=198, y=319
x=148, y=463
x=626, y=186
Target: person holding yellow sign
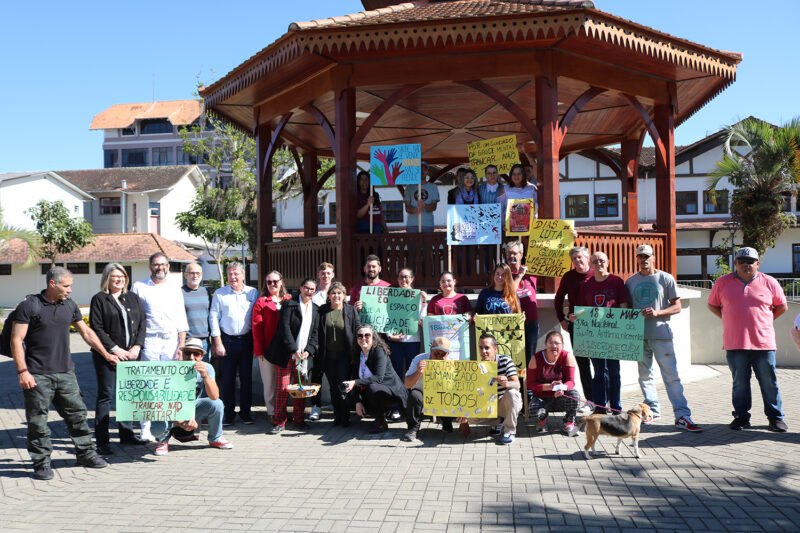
x=518, y=188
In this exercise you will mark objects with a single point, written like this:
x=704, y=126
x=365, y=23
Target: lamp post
x=732, y=227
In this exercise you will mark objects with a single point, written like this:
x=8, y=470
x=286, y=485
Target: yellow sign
x=500, y=151
x=465, y=389
x=548, y=247
x=520, y=214
x=509, y=332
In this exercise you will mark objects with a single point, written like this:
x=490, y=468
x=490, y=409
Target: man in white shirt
x=230, y=319
x=166, y=318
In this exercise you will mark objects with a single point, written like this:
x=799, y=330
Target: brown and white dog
x=620, y=426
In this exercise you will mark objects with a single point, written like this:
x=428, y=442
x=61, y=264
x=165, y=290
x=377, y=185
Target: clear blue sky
x=63, y=62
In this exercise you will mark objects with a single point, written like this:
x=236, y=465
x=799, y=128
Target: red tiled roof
x=138, y=179
x=108, y=247
x=178, y=112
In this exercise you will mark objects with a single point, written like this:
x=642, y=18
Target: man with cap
x=440, y=350
x=654, y=291
x=748, y=301
x=207, y=406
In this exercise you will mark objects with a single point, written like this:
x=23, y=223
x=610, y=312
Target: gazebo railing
x=297, y=259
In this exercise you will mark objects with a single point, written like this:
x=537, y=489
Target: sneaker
x=277, y=428
x=541, y=425
x=161, y=448
x=409, y=436
x=541, y=414
x=43, y=473
x=777, y=425
x=146, y=436
x=395, y=415
x=316, y=414
x=587, y=409
x=496, y=431
x=247, y=420
x=447, y=425
x=94, y=461
x=739, y=423
x=653, y=418
x=508, y=438
x=221, y=443
x=571, y=429
x=686, y=423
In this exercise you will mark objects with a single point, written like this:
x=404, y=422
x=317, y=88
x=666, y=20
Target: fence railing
x=697, y=283
x=790, y=286
x=298, y=258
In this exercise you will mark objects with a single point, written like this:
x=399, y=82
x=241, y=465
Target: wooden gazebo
x=561, y=75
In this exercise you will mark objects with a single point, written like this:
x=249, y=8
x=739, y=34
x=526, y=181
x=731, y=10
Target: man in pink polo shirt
x=748, y=301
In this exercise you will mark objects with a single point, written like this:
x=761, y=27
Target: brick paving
x=336, y=479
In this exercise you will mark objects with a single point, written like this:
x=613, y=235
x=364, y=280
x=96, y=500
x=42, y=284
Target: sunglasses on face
x=192, y=352
x=364, y=335
x=747, y=261
x=273, y=281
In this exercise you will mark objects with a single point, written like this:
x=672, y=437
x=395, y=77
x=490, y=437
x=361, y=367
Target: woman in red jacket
x=551, y=377
x=265, y=321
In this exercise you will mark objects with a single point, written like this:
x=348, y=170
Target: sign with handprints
x=474, y=224
x=398, y=164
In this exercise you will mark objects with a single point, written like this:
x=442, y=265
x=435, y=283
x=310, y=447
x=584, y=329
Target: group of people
x=300, y=339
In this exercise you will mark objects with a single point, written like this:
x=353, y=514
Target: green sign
x=609, y=333
x=390, y=310
x=155, y=390
x=453, y=327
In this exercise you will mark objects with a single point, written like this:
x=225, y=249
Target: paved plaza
x=335, y=479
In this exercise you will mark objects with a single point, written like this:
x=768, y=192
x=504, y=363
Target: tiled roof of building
x=178, y=112
x=138, y=179
x=108, y=247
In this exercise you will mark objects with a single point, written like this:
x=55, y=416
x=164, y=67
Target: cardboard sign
x=548, y=247
x=520, y=214
x=460, y=388
x=500, y=151
x=473, y=224
x=609, y=333
x=155, y=390
x=509, y=332
x=453, y=327
x=390, y=310
x=398, y=164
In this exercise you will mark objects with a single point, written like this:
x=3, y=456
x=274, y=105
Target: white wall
x=105, y=223
x=173, y=202
x=18, y=195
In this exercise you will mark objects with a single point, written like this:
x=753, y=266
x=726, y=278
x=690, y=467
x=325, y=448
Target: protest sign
x=519, y=216
x=609, y=333
x=509, y=332
x=549, y=246
x=460, y=388
x=474, y=224
x=500, y=151
x=390, y=310
x=453, y=327
x=155, y=390
x=398, y=164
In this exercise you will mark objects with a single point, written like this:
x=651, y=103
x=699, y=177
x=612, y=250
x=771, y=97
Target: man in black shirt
x=46, y=371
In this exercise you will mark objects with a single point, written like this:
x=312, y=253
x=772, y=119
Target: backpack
x=5, y=336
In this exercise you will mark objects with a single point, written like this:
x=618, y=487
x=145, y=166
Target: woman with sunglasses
x=265, y=321
x=294, y=342
x=376, y=387
x=500, y=296
x=118, y=318
x=338, y=324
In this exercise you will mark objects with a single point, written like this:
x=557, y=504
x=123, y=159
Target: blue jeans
x=606, y=384
x=664, y=352
x=762, y=362
x=239, y=359
x=401, y=355
x=203, y=408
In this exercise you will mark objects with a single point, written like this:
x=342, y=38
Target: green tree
x=213, y=217
x=9, y=233
x=59, y=232
x=762, y=162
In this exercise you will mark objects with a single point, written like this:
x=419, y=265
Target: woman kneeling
x=551, y=377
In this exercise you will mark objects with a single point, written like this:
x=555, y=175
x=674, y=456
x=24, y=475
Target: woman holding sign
x=518, y=188
x=500, y=297
x=465, y=193
x=404, y=348
x=366, y=201
x=338, y=324
x=376, y=387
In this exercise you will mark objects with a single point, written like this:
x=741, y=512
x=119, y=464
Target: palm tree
x=8, y=233
x=762, y=162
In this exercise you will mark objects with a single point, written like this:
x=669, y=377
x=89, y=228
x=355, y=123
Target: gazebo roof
x=441, y=43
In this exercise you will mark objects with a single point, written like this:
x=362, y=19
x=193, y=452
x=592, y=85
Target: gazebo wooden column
x=630, y=152
x=310, y=194
x=547, y=153
x=344, y=131
x=263, y=135
x=664, y=122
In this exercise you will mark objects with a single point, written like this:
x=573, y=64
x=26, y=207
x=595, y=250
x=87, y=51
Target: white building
x=19, y=191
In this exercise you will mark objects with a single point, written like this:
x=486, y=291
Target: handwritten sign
x=390, y=310
x=460, y=388
x=398, y=164
x=455, y=328
x=509, y=332
x=549, y=246
x=155, y=390
x=473, y=224
x=519, y=216
x=500, y=151
x=609, y=333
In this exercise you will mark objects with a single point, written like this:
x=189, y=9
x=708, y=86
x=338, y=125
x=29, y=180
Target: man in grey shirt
x=654, y=291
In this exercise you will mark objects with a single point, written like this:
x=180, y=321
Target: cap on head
x=644, y=249
x=747, y=253
x=441, y=343
x=193, y=344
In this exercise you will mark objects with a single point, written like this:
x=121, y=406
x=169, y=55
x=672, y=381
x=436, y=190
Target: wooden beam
x=324, y=123
x=576, y=108
x=516, y=111
x=547, y=154
x=345, y=123
x=321, y=181
x=310, y=194
x=628, y=173
x=648, y=123
x=664, y=121
x=263, y=134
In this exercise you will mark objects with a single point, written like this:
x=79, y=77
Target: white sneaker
x=587, y=409
x=316, y=413
x=147, y=436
